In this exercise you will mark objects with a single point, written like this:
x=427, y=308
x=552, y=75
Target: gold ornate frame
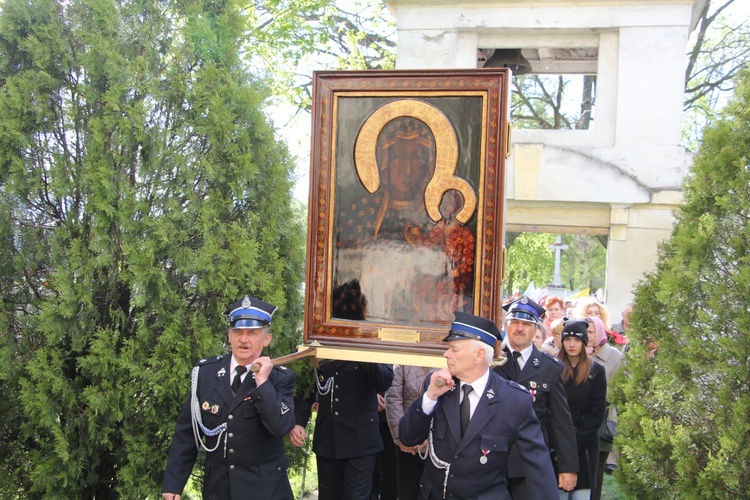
x=466, y=112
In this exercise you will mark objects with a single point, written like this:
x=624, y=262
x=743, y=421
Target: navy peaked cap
x=467, y=326
x=249, y=312
x=524, y=309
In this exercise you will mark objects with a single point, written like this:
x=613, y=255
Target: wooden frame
x=406, y=205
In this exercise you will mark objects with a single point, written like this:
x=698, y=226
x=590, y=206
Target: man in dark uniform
x=347, y=436
x=472, y=417
x=239, y=418
x=540, y=373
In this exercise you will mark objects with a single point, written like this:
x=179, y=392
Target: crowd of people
x=531, y=423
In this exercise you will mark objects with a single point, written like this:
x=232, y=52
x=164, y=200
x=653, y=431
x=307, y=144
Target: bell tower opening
x=554, y=88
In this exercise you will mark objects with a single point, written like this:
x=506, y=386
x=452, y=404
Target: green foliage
x=294, y=37
x=583, y=264
x=142, y=191
x=530, y=259
x=719, y=49
x=685, y=412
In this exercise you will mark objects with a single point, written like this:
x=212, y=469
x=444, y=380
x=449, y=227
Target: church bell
x=509, y=58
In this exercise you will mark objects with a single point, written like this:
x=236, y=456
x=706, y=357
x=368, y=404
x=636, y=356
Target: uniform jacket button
x=231, y=467
x=230, y=417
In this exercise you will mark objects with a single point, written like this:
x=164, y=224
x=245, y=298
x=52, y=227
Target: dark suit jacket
x=541, y=375
x=504, y=417
x=257, y=419
x=347, y=424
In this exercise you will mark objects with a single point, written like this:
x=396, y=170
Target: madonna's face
x=408, y=168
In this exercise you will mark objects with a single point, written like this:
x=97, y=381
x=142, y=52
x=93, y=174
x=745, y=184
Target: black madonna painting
x=408, y=197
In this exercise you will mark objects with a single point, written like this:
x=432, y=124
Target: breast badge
x=206, y=406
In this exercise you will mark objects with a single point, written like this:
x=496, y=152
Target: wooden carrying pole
x=289, y=358
x=368, y=356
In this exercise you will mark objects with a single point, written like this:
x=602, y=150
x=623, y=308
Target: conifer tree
x=142, y=190
x=684, y=395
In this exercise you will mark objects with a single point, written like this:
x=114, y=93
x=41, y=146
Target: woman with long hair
x=586, y=388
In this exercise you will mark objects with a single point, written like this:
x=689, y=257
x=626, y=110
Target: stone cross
x=558, y=247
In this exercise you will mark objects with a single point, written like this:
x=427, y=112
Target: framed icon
x=406, y=205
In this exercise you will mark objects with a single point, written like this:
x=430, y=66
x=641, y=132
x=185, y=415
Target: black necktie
x=516, y=366
x=465, y=408
x=238, y=378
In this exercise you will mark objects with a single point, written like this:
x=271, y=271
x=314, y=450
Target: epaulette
x=280, y=367
x=518, y=386
x=553, y=358
x=208, y=361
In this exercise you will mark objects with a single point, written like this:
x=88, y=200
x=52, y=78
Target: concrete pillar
x=620, y=178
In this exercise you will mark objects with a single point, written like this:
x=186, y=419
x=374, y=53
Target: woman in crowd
x=553, y=343
x=609, y=357
x=555, y=310
x=586, y=388
x=589, y=307
x=540, y=334
x=405, y=389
